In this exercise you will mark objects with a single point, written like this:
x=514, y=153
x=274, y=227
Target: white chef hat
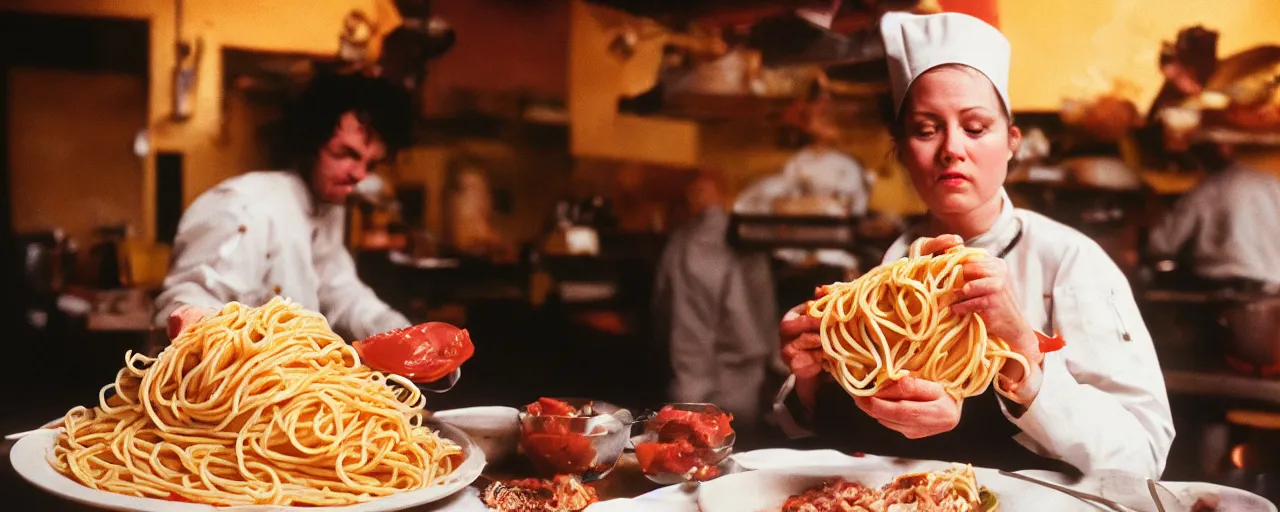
x=916, y=43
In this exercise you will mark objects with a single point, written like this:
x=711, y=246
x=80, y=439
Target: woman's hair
x=891, y=115
x=384, y=109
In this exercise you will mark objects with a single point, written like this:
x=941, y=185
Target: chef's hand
x=802, y=351
x=914, y=407
x=186, y=316
x=988, y=292
x=936, y=245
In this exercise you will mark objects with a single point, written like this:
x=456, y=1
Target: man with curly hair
x=279, y=233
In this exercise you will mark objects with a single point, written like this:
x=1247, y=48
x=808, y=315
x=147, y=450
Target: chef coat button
x=277, y=289
x=242, y=228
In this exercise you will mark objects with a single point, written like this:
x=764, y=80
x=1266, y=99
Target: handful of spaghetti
x=255, y=406
x=892, y=322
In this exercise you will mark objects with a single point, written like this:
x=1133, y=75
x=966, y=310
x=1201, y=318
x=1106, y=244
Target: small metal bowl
x=584, y=446
x=706, y=457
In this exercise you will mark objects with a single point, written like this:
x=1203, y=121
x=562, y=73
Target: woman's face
x=956, y=142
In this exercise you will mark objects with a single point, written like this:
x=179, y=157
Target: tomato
x=675, y=457
x=704, y=429
x=550, y=407
x=1050, y=343
x=423, y=353
x=552, y=454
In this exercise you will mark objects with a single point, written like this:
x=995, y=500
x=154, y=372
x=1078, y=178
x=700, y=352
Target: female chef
x=1097, y=404
x=279, y=233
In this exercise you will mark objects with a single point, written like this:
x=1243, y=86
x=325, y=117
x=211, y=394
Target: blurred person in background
x=818, y=180
x=1224, y=238
x=714, y=306
x=280, y=233
x=1227, y=229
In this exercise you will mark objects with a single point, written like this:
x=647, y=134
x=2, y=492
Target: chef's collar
x=307, y=200
x=1003, y=233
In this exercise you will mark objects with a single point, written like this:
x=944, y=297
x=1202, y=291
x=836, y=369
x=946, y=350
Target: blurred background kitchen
x=574, y=159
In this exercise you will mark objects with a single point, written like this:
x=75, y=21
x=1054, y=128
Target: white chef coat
x=811, y=171
x=1102, y=403
x=259, y=235
x=1229, y=225
x=827, y=171
x=716, y=309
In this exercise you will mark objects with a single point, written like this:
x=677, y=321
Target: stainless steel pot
x=1253, y=332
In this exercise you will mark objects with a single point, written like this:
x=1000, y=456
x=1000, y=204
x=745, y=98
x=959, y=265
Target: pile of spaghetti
x=954, y=490
x=893, y=322
x=255, y=406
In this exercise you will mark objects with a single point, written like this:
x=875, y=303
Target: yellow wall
x=1075, y=48
x=289, y=26
x=597, y=79
x=537, y=177
x=72, y=161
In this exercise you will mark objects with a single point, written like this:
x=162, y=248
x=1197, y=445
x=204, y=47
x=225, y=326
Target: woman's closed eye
x=976, y=129
x=928, y=130
x=925, y=130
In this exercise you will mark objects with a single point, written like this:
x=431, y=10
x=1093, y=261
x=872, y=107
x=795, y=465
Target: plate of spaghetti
x=937, y=488
x=252, y=409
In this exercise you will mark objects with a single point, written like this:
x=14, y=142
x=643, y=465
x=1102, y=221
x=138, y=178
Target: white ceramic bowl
x=496, y=430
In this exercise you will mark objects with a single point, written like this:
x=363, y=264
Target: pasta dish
x=255, y=406
x=954, y=490
x=892, y=322
x=563, y=493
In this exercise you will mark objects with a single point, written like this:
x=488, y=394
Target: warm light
x=1237, y=456
x=582, y=240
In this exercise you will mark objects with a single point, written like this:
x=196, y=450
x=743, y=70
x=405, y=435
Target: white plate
x=496, y=430
x=774, y=458
x=30, y=457
x=1227, y=498
x=767, y=489
x=1175, y=496
x=780, y=470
